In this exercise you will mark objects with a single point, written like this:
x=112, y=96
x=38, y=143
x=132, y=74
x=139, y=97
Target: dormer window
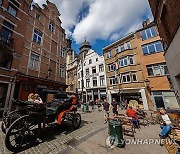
x=51, y=26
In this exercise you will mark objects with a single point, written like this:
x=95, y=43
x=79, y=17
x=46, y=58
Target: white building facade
x=92, y=80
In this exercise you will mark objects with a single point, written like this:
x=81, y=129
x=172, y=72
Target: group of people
x=35, y=98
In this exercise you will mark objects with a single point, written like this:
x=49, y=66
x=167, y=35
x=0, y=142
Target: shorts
x=106, y=113
x=115, y=111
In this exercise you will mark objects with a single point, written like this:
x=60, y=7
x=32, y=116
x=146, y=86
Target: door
x=158, y=100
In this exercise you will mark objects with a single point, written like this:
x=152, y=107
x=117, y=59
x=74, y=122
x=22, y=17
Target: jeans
x=165, y=130
x=135, y=122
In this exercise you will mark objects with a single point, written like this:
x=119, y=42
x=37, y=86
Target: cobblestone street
x=90, y=138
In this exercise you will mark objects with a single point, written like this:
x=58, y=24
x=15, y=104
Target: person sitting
x=166, y=122
x=140, y=113
x=31, y=97
x=133, y=114
x=37, y=99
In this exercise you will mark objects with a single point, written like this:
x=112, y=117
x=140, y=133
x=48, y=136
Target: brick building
x=43, y=59
x=154, y=67
x=167, y=17
x=136, y=70
x=13, y=16
x=125, y=80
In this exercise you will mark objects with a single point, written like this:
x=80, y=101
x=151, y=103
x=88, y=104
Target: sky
x=100, y=22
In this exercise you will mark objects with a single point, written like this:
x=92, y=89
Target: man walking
x=105, y=108
x=115, y=107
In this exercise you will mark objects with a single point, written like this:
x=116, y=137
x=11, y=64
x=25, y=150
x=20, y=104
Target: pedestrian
x=31, y=97
x=98, y=104
x=166, y=122
x=105, y=108
x=92, y=104
x=115, y=107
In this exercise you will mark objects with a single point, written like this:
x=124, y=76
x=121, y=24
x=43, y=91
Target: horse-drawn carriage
x=23, y=126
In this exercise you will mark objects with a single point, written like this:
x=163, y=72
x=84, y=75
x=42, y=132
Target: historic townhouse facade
x=167, y=17
x=43, y=59
x=154, y=67
x=13, y=18
x=92, y=72
x=125, y=80
x=71, y=71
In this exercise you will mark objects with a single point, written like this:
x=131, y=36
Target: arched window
x=51, y=26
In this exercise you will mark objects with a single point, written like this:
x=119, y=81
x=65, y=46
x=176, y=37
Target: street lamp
x=49, y=72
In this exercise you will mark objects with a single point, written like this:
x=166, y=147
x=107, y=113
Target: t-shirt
x=106, y=106
x=131, y=113
x=114, y=104
x=166, y=119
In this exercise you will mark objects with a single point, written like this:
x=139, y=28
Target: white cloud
x=106, y=19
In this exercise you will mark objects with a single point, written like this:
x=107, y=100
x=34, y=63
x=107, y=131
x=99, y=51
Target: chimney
x=146, y=22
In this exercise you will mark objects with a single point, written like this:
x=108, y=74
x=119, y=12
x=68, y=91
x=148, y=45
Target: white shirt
x=166, y=119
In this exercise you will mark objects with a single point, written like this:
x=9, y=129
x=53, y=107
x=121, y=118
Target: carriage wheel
x=76, y=120
x=11, y=116
x=22, y=133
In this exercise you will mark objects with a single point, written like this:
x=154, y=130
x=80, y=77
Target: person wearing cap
x=166, y=122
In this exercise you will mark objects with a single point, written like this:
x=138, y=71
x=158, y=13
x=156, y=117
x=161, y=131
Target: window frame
x=87, y=81
x=37, y=36
x=111, y=66
x=13, y=8
x=151, y=33
x=94, y=68
x=112, y=80
x=34, y=60
x=51, y=27
x=152, y=44
x=94, y=79
x=102, y=80
x=108, y=55
x=101, y=68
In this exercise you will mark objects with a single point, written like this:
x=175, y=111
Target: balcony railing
x=7, y=41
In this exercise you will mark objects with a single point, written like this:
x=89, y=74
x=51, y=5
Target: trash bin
x=115, y=131
x=84, y=109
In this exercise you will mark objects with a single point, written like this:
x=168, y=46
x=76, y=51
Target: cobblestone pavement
x=89, y=138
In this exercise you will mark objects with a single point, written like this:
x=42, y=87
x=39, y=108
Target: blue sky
x=101, y=22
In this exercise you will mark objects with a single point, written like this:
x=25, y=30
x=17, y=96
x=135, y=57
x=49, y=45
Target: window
x=128, y=45
x=126, y=78
x=62, y=52
x=37, y=37
x=63, y=36
x=34, y=61
x=122, y=47
x=134, y=77
x=12, y=10
x=37, y=16
x=79, y=75
x=101, y=68
x=5, y=59
x=6, y=32
x=79, y=84
x=111, y=67
x=51, y=26
x=117, y=50
x=87, y=71
x=148, y=33
x=94, y=81
x=102, y=81
x=90, y=61
x=87, y=83
x=158, y=69
x=112, y=80
x=62, y=72
x=152, y=48
x=108, y=54
x=126, y=61
x=94, y=69
x=96, y=59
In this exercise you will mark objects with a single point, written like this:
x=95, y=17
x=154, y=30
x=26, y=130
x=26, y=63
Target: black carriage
x=23, y=125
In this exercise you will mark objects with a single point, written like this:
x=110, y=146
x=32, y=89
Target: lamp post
x=148, y=89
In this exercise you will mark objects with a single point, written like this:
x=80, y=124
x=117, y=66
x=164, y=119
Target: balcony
x=7, y=41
